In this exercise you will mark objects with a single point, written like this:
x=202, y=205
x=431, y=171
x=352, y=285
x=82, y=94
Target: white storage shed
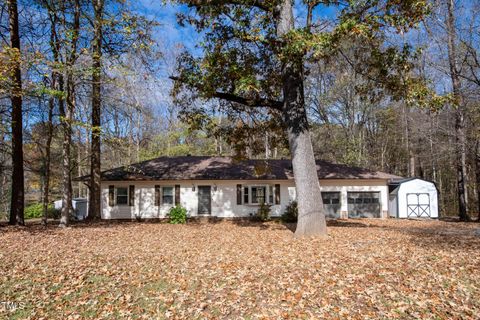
x=413, y=198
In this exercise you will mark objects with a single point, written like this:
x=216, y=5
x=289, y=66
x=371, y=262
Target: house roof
x=228, y=168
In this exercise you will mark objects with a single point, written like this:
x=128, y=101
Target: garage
x=364, y=205
x=413, y=198
x=332, y=205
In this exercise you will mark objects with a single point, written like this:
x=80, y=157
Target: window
x=363, y=197
x=331, y=197
x=167, y=195
x=258, y=194
x=122, y=196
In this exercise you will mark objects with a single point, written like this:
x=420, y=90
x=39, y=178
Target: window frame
x=162, y=195
x=247, y=193
x=271, y=194
x=265, y=197
x=127, y=196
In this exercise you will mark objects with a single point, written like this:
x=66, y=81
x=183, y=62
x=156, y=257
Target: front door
x=204, y=199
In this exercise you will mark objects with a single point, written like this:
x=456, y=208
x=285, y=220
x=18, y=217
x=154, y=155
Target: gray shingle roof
x=227, y=168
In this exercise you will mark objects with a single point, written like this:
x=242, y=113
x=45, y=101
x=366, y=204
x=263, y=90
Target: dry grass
x=367, y=269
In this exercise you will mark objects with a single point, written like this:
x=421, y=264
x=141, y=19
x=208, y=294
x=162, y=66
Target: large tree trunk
x=311, y=215
x=18, y=195
x=460, y=139
x=95, y=170
x=67, y=117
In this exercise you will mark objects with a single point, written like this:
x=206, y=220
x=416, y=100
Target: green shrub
x=291, y=212
x=177, y=215
x=35, y=210
x=263, y=212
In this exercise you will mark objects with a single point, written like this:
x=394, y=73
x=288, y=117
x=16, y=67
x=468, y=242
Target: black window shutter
x=239, y=194
x=177, y=194
x=111, y=196
x=277, y=194
x=157, y=195
x=131, y=195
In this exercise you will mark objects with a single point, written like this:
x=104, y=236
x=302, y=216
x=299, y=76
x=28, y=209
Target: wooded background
x=75, y=73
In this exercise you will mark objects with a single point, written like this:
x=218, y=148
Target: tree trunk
x=58, y=85
x=477, y=173
x=48, y=144
x=3, y=174
x=54, y=45
x=311, y=215
x=3, y=201
x=433, y=161
x=18, y=195
x=95, y=165
x=460, y=139
x=79, y=161
x=138, y=136
x=67, y=117
x=411, y=163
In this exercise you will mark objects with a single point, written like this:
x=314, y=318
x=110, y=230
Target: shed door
x=364, y=205
x=331, y=203
x=204, y=200
x=418, y=205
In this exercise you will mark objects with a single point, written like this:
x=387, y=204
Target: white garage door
x=363, y=204
x=332, y=205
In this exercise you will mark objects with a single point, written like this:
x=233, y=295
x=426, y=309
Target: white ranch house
x=226, y=188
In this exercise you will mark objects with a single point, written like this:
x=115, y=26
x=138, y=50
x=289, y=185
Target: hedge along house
x=227, y=188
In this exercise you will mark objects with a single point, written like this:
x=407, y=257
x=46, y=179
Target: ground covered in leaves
x=366, y=269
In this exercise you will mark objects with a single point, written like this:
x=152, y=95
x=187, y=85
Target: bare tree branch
x=249, y=102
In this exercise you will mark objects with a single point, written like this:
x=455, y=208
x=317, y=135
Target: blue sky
x=170, y=33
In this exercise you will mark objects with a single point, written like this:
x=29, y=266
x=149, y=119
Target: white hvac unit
x=80, y=207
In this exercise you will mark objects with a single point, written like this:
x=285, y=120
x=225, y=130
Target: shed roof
x=394, y=184
x=228, y=168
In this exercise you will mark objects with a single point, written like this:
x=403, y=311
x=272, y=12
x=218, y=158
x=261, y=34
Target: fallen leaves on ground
x=366, y=269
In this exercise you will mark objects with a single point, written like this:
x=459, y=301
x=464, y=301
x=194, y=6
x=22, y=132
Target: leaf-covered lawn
x=365, y=269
